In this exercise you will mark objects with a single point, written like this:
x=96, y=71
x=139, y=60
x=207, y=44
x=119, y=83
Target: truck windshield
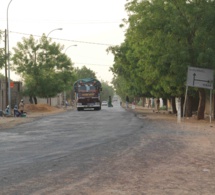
x=86, y=88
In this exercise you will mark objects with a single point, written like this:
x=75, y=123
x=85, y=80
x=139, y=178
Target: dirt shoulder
x=165, y=115
x=33, y=112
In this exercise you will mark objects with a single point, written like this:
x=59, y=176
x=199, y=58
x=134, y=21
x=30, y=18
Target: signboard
x=11, y=84
x=87, y=95
x=200, y=77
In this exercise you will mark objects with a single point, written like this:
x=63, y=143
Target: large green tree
x=162, y=39
x=46, y=70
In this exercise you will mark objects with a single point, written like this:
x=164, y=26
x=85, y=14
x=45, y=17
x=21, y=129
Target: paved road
x=74, y=141
x=107, y=152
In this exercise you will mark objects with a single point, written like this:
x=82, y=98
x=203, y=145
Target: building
x=16, y=89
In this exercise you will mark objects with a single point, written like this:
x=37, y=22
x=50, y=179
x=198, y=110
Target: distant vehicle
x=87, y=93
x=104, y=103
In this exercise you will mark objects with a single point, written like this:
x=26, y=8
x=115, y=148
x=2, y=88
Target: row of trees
x=45, y=69
x=162, y=39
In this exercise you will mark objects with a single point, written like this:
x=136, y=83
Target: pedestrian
x=21, y=106
x=133, y=105
x=66, y=104
x=110, y=102
x=127, y=101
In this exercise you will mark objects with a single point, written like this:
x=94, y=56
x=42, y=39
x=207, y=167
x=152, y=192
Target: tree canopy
x=46, y=70
x=162, y=39
x=84, y=72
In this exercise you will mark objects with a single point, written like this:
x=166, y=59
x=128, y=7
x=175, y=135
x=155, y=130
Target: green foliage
x=2, y=76
x=84, y=72
x=2, y=54
x=45, y=69
x=163, y=38
x=107, y=91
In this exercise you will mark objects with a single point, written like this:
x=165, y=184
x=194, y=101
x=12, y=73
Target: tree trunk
x=182, y=105
x=201, y=107
x=31, y=100
x=213, y=106
x=143, y=101
x=35, y=100
x=188, y=108
x=173, y=105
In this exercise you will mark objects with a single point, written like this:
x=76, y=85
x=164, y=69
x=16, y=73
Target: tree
x=84, y=72
x=2, y=76
x=127, y=77
x=46, y=70
x=107, y=91
x=163, y=38
x=2, y=54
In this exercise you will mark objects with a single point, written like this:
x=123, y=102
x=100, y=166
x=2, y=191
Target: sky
x=92, y=25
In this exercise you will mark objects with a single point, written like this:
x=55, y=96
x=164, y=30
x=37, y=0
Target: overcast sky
x=91, y=24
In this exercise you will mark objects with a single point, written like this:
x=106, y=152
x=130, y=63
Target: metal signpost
x=201, y=78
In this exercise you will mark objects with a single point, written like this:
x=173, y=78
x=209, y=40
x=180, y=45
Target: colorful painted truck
x=87, y=93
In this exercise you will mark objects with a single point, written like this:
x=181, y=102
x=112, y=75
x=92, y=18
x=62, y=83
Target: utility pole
x=6, y=81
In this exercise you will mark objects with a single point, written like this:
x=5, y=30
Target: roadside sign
x=200, y=77
x=11, y=84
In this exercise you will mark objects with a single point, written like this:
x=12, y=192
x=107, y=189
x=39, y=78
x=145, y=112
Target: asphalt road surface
x=34, y=155
x=107, y=152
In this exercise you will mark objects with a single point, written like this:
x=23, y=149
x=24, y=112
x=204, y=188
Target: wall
x=15, y=94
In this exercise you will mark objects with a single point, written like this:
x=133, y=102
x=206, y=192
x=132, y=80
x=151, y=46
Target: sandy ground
x=164, y=115
x=33, y=112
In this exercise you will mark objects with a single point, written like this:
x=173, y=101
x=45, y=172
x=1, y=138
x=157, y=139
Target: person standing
x=66, y=104
x=21, y=106
x=110, y=102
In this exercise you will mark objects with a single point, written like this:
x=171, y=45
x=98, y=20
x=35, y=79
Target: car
x=104, y=103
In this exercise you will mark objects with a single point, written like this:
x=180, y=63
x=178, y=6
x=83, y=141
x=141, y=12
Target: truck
x=87, y=93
